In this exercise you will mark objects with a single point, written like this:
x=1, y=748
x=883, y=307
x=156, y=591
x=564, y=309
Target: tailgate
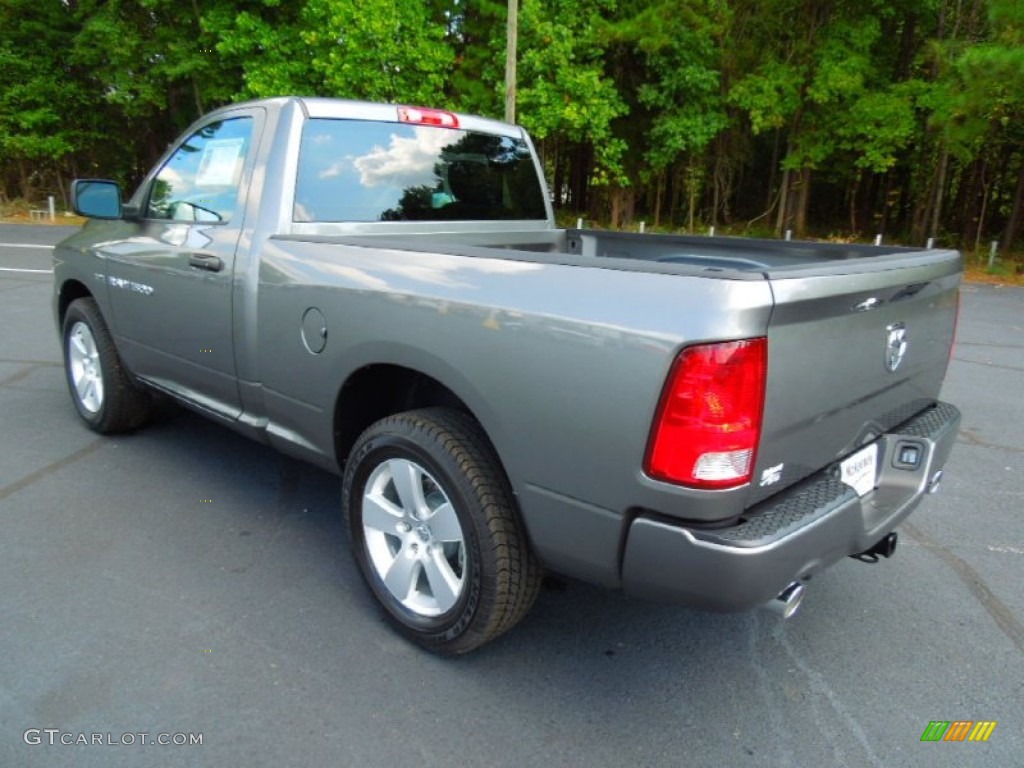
x=851, y=356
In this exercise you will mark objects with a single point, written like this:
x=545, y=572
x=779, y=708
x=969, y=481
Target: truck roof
x=349, y=109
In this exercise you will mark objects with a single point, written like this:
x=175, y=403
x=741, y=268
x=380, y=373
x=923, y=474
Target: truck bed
x=724, y=257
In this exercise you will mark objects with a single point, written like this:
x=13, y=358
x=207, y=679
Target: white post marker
x=878, y=239
x=992, y=251
x=53, y=208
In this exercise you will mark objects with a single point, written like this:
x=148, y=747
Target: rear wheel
x=104, y=395
x=435, y=530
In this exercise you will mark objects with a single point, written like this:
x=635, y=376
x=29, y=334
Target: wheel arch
x=70, y=290
x=379, y=390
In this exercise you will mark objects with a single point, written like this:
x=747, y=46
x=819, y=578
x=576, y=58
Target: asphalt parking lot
x=183, y=581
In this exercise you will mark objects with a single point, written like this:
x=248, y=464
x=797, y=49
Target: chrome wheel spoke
x=402, y=575
x=444, y=584
x=83, y=386
x=408, y=480
x=444, y=524
x=79, y=344
x=380, y=515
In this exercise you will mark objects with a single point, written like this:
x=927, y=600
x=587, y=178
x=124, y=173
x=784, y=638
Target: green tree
x=379, y=50
x=41, y=103
x=565, y=97
x=667, y=63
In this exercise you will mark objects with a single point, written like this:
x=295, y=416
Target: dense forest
x=827, y=117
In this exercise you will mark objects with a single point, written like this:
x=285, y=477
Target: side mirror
x=96, y=198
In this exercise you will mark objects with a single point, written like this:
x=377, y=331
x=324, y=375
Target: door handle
x=210, y=263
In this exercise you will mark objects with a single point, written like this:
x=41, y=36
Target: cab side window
x=200, y=181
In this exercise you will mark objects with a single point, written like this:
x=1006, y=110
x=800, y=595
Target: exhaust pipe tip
x=934, y=482
x=885, y=547
x=787, y=602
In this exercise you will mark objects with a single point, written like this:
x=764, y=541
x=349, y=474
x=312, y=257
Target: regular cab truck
x=382, y=291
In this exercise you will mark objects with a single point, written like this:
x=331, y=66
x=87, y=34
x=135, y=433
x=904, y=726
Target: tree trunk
x=714, y=195
x=772, y=170
x=578, y=177
x=659, y=193
x=782, y=219
x=940, y=188
x=62, y=188
x=1012, y=230
x=853, y=203
x=677, y=185
x=24, y=181
x=922, y=183
x=889, y=199
x=800, y=223
x=692, y=188
x=616, y=203
x=981, y=217
x=628, y=206
x=559, y=179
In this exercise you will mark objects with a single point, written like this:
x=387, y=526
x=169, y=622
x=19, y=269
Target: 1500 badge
x=126, y=285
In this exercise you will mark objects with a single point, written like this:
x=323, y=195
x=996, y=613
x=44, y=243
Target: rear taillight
x=708, y=424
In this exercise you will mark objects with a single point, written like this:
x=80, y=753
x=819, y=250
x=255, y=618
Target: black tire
x=452, y=464
x=108, y=401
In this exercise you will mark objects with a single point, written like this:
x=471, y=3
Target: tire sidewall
x=370, y=454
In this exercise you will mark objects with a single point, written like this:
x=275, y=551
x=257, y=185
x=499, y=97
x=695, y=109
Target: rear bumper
x=791, y=536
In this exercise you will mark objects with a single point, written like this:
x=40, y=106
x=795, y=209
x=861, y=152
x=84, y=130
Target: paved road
x=184, y=581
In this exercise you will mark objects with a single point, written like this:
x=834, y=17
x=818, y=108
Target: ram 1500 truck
x=382, y=291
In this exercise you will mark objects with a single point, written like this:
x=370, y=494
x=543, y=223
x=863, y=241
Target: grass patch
x=1007, y=269
x=22, y=212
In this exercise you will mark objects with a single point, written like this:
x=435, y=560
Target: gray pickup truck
x=382, y=291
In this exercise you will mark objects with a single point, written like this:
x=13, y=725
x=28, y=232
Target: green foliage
x=379, y=50
x=879, y=127
x=34, y=96
x=563, y=86
x=675, y=45
x=902, y=112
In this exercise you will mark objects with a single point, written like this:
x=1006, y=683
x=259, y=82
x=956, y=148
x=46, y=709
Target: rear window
x=352, y=170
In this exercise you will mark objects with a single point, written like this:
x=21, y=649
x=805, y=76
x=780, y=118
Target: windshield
x=351, y=170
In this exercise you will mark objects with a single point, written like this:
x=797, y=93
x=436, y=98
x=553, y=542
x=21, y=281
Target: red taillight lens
x=423, y=116
x=708, y=424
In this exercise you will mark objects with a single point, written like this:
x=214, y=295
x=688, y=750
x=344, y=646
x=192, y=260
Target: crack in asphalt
x=19, y=375
x=18, y=361
x=49, y=469
x=28, y=370
x=818, y=684
x=988, y=365
x=989, y=344
x=995, y=607
x=970, y=437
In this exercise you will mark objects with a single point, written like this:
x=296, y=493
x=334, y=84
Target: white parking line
x=23, y=245
x=33, y=271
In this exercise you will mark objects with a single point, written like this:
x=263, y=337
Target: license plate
x=859, y=470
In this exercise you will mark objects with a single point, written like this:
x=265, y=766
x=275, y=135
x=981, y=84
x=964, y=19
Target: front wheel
x=104, y=395
x=435, y=530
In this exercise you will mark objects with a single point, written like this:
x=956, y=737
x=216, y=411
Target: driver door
x=170, y=286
